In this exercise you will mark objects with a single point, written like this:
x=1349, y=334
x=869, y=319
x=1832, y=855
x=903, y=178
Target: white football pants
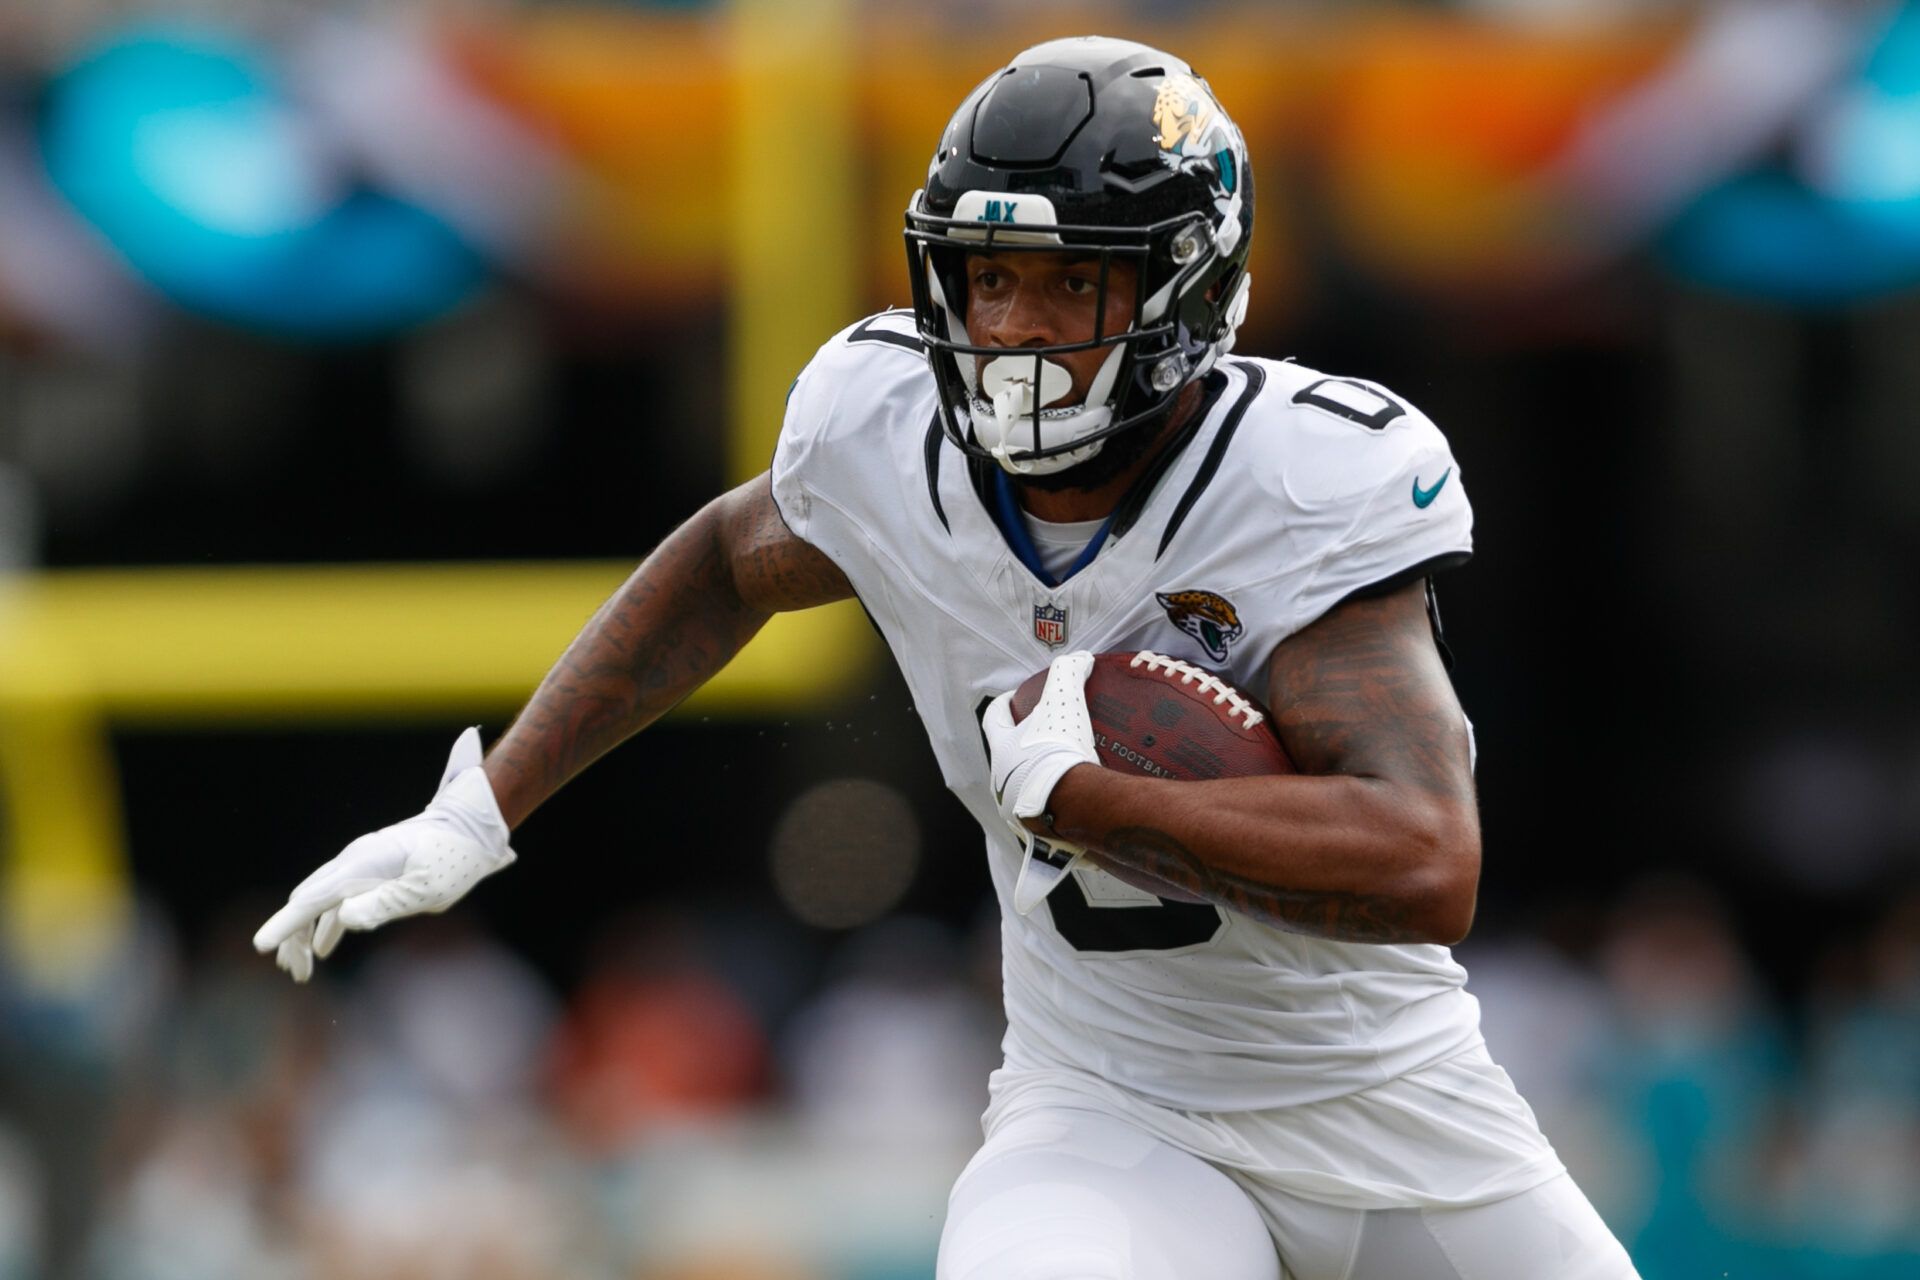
x=1064, y=1194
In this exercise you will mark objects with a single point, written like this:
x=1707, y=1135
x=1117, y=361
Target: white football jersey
x=1297, y=490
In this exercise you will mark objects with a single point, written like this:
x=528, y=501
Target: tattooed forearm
x=1335, y=914
x=1376, y=839
x=676, y=621
x=671, y=626
x=1362, y=692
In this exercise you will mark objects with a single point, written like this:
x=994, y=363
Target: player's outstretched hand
x=424, y=864
x=1029, y=758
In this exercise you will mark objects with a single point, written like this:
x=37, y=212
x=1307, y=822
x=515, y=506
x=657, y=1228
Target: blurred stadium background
x=350, y=352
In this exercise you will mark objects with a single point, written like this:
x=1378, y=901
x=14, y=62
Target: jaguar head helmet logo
x=1183, y=110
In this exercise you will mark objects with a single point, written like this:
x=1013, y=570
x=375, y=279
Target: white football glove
x=1026, y=760
x=424, y=864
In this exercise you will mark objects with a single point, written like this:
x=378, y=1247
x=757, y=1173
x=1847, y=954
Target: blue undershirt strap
x=1013, y=524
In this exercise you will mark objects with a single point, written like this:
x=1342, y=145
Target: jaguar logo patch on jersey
x=1050, y=625
x=1207, y=616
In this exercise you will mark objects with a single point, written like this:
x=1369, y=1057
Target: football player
x=1268, y=1066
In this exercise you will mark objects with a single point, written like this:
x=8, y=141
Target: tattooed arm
x=688, y=608
x=1378, y=840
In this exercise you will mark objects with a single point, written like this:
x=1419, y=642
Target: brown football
x=1163, y=718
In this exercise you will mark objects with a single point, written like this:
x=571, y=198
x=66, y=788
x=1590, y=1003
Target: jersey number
x=1130, y=928
x=1354, y=401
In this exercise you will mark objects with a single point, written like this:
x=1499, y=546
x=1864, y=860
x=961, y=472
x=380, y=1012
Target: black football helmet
x=1088, y=146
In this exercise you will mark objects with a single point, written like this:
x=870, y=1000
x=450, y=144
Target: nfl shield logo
x=1050, y=625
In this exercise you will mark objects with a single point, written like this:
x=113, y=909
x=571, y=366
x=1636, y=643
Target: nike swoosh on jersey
x=1423, y=498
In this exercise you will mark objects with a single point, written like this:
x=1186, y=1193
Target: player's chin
x=1081, y=475
x=1117, y=453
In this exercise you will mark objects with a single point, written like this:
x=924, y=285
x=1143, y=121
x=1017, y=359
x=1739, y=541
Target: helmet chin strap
x=1011, y=403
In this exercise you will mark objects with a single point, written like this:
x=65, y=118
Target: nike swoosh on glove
x=421, y=865
x=1026, y=761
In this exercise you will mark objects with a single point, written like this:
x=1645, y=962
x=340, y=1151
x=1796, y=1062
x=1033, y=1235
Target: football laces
x=1223, y=693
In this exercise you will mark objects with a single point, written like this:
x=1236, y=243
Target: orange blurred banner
x=1421, y=136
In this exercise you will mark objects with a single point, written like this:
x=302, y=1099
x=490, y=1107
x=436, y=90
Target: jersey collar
x=997, y=494
x=1013, y=526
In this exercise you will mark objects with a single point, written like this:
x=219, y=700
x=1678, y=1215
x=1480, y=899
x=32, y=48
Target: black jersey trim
x=865, y=332
x=1394, y=581
x=1104, y=930
x=936, y=435
x=1135, y=500
x=1425, y=569
x=980, y=476
x=1210, y=465
x=1439, y=632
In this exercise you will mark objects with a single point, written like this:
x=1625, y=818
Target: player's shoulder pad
x=863, y=369
x=1318, y=439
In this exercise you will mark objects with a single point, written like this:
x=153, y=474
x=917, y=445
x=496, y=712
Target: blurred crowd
x=1722, y=1130
x=442, y=1110
x=436, y=1107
